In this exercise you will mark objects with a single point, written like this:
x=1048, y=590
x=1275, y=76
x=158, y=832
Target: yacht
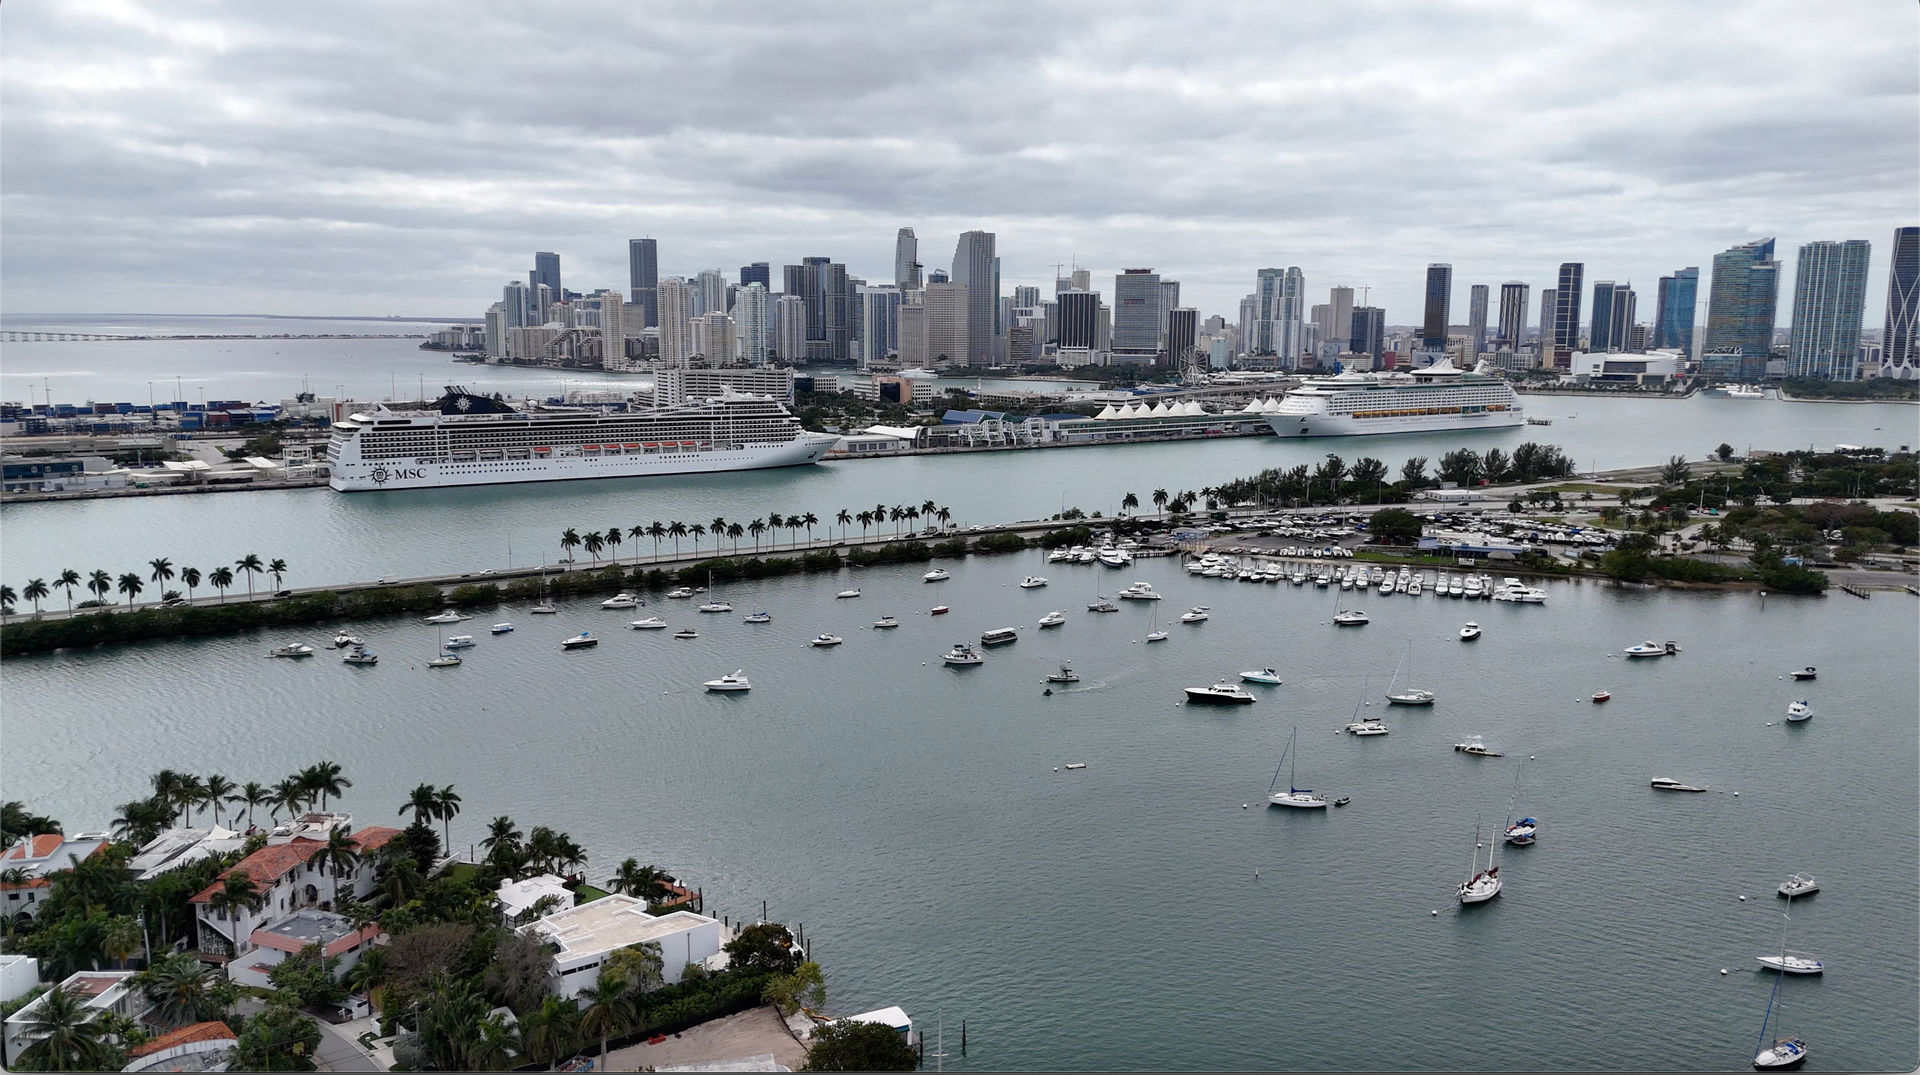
x=685, y=633
x=1220, y=694
x=1086, y=556
x=1103, y=605
x=1667, y=783
x=1196, y=614
x=651, y=623
x=1032, y=582
x=1410, y=695
x=963, y=655
x=1800, y=884
x=936, y=575
x=826, y=640
x=1297, y=797
x=1474, y=745
x=1370, y=726
x=360, y=655
x=446, y=617
x=716, y=606
x=1350, y=618
x=1064, y=675
x=846, y=594
x=1799, y=711
x=1054, y=618
x=1058, y=555
x=1785, y=1052
x=1480, y=885
x=579, y=641
x=919, y=373
x=445, y=660
x=938, y=610
x=341, y=640
x=680, y=593
x=735, y=682
x=296, y=649
x=460, y=642
x=886, y=623
x=500, y=629
x=1472, y=587
x=1789, y=964
x=1514, y=590
x=1000, y=636
x=1470, y=632
x=1113, y=556
x=758, y=615
x=1263, y=675
x=1648, y=648
x=622, y=600
x=1804, y=673
x=1139, y=591
x=544, y=608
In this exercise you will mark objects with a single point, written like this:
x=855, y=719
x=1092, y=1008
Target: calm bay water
x=911, y=815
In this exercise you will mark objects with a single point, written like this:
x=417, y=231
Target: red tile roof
x=267, y=865
x=92, y=985
x=374, y=837
x=38, y=847
x=186, y=1035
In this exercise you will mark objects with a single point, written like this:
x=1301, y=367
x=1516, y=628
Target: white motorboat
x=1800, y=884
x=963, y=655
x=341, y=640
x=1000, y=636
x=1103, y=606
x=1196, y=614
x=1791, y=964
x=758, y=615
x=446, y=617
x=1480, y=885
x=445, y=660
x=1408, y=695
x=544, y=608
x=1805, y=673
x=360, y=655
x=936, y=575
x=1370, y=726
x=1297, y=797
x=651, y=623
x=686, y=633
x=1220, y=694
x=1054, y=618
x=1667, y=783
x=1799, y=711
x=1064, y=675
x=1350, y=618
x=735, y=682
x=460, y=642
x=1058, y=555
x=1032, y=582
x=1513, y=589
x=716, y=606
x=500, y=629
x=1473, y=745
x=886, y=623
x=1268, y=676
x=680, y=593
x=846, y=594
x=1523, y=831
x=295, y=649
x=939, y=610
x=1139, y=591
x=1470, y=632
x=579, y=641
x=826, y=640
x=1086, y=557
x=1114, y=557
x=1648, y=648
x=622, y=600
x=1472, y=587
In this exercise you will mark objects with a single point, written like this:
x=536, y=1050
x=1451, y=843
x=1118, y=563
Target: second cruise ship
x=1439, y=397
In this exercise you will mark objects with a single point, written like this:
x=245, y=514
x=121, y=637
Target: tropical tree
x=191, y=796
x=1160, y=499
x=945, y=514
x=251, y=565
x=178, y=985
x=446, y=805
x=734, y=530
x=810, y=520
x=424, y=801
x=65, y=1033
x=774, y=522
x=190, y=577
x=636, y=532
x=236, y=895
x=220, y=579
x=502, y=841
x=676, y=530
x=1370, y=471
x=162, y=571
x=325, y=780
x=250, y=795
x=1413, y=472
x=551, y=1032
x=718, y=528
x=845, y=519
x=341, y=853
x=216, y=791
x=606, y=1009
x=853, y=1046
x=569, y=541
x=1676, y=471
x=1129, y=502
x=594, y=543
x=35, y=591
x=865, y=519
x=139, y=821
x=69, y=578
x=698, y=530
x=640, y=882
x=794, y=523
x=656, y=531
x=100, y=583
x=402, y=881
x=291, y=795
x=120, y=937
x=1495, y=464
x=613, y=537
x=278, y=569
x=1461, y=467
x=756, y=528
x=130, y=585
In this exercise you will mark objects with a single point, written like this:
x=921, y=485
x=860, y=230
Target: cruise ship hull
x=1332, y=425
x=349, y=476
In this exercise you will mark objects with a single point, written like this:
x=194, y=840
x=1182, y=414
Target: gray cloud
x=381, y=158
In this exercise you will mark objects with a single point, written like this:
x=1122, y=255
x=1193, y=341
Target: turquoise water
x=911, y=815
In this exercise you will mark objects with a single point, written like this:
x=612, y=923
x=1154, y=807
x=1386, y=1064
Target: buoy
x=1243, y=806
x=1736, y=795
x=1436, y=912
x=1056, y=768
x=1743, y=899
x=1723, y=970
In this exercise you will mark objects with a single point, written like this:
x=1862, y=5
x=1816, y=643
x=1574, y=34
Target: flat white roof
x=895, y=1017
x=611, y=922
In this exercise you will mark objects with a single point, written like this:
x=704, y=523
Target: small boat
x=938, y=610
x=1804, y=673
x=1064, y=675
x=885, y=623
x=1054, y=618
x=1799, y=711
x=1470, y=632
x=445, y=660
x=1114, y=557
x=758, y=615
x=1297, y=797
x=686, y=633
x=1351, y=618
x=1342, y=800
x=651, y=623
x=680, y=593
x=1648, y=648
x=1370, y=726
x=1784, y=1053
x=1408, y=695
x=1523, y=831
x=360, y=655
x=622, y=600
x=500, y=629
x=963, y=655
x=718, y=606
x=1032, y=582
x=579, y=641
x=296, y=649
x=1154, y=633
x=544, y=608
x=1000, y=636
x=1474, y=746
x=1139, y=591
x=342, y=640
x=1220, y=694
x=845, y=594
x=1480, y=885
x=1792, y=964
x=1103, y=606
x=460, y=642
x=735, y=682
x=1667, y=783
x=1074, y=765
x=936, y=575
x=1265, y=675
x=1800, y=884
x=446, y=617
x=1196, y=614
x=826, y=640
x=1601, y=696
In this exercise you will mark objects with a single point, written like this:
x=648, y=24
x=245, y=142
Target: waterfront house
x=106, y=990
x=269, y=946
x=290, y=877
x=194, y=1047
x=175, y=848
x=38, y=858
x=520, y=899
x=587, y=934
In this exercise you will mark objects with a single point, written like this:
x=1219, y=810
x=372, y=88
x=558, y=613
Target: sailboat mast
x=1761, y=1045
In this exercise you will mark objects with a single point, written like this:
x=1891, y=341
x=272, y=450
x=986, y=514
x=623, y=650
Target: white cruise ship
x=1439, y=397
x=468, y=439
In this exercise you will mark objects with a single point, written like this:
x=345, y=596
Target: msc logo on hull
x=381, y=475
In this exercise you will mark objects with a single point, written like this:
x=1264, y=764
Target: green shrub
x=1000, y=543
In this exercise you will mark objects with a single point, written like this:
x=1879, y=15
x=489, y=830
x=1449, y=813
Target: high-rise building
x=973, y=267
x=1900, y=340
x=879, y=323
x=757, y=273
x=1673, y=309
x=949, y=320
x=1742, y=302
x=1136, y=312
x=1169, y=302
x=713, y=337
x=515, y=304
x=1566, y=314
x=1079, y=319
x=754, y=322
x=1183, y=329
x=497, y=331
x=676, y=305
x=1433, y=330
x=913, y=330
x=789, y=328
x=546, y=270
x=1025, y=295
x=1829, y=299
x=1549, y=303
x=1081, y=280
x=1613, y=312
x=1258, y=329
x=823, y=284
x=1368, y=331
x=711, y=291
x=614, y=330
x=906, y=261
x=643, y=276
x=1338, y=326
x=1513, y=314
x=1477, y=298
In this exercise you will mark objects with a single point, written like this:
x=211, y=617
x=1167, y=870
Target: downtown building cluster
x=961, y=316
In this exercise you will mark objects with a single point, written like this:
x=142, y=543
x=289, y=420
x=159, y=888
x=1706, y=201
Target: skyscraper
x=1900, y=340
x=1433, y=330
x=822, y=284
x=643, y=276
x=1079, y=319
x=757, y=273
x=1259, y=334
x=1549, y=303
x=546, y=270
x=1369, y=329
x=1673, y=309
x=789, y=327
x=676, y=299
x=515, y=304
x=613, y=331
x=1613, y=310
x=906, y=261
x=1338, y=327
x=1477, y=318
x=1566, y=313
x=1026, y=296
x=711, y=287
x=1183, y=328
x=753, y=317
x=1136, y=312
x=949, y=319
x=879, y=323
x=1513, y=314
x=1169, y=302
x=1829, y=299
x=1742, y=301
x=973, y=266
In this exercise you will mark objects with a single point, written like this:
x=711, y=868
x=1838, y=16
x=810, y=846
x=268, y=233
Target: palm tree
x=6, y=596
x=424, y=801
x=756, y=528
x=569, y=541
x=676, y=530
x=656, y=531
x=1160, y=499
x=946, y=516
x=446, y=803
x=168, y=789
x=190, y=577
x=845, y=519
x=250, y=563
x=177, y=984
x=35, y=591
x=734, y=530
x=633, y=879
x=810, y=520
x=698, y=531
x=606, y=1010
x=913, y=518
x=794, y=523
x=100, y=583
x=120, y=938
x=69, y=578
x=277, y=569
x=221, y=578
x=774, y=522
x=594, y=543
x=291, y=795
x=402, y=881
x=325, y=780
x=191, y=796
x=637, y=532
x=895, y=515
x=865, y=519
x=65, y=1032
x=131, y=585
x=238, y=894
x=162, y=571
x=1129, y=502
x=543, y=847
x=613, y=538
x=340, y=854
x=217, y=790
x=503, y=838
x=718, y=528
x=550, y=1032
x=252, y=795
x=879, y=514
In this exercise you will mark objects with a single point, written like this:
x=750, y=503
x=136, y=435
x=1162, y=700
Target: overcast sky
x=230, y=156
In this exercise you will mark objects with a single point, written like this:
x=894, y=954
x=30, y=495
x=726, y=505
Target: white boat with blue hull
x=1438, y=397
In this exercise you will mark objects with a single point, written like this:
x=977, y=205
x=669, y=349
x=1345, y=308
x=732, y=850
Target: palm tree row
x=182, y=795
x=102, y=583
x=515, y=854
x=594, y=542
